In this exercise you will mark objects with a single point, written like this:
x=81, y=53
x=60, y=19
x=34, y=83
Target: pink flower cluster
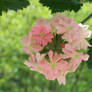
x=53, y=63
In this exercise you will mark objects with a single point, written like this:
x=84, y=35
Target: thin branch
x=86, y=19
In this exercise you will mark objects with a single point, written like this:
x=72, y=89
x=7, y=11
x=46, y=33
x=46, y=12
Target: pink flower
x=81, y=43
x=57, y=68
x=62, y=79
x=75, y=57
x=42, y=21
x=74, y=63
x=72, y=33
x=52, y=70
x=36, y=62
x=42, y=34
x=30, y=44
x=63, y=24
x=58, y=23
x=71, y=36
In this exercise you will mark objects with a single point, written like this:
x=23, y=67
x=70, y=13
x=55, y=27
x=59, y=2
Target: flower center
x=53, y=64
x=62, y=74
x=76, y=55
x=33, y=41
x=69, y=27
x=39, y=68
x=42, y=34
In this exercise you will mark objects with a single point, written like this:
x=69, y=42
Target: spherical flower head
x=55, y=46
x=42, y=34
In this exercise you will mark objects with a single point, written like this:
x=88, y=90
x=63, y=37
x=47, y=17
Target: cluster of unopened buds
x=56, y=46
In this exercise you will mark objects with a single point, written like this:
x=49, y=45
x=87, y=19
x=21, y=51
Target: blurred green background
x=14, y=75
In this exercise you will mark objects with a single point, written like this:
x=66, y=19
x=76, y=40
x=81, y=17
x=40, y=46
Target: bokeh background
x=15, y=23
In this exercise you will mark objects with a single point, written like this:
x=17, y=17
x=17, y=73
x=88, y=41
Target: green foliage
x=14, y=75
x=82, y=14
x=61, y=5
x=56, y=44
x=12, y=4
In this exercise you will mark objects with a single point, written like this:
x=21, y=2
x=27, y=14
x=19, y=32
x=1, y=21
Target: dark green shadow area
x=61, y=5
x=12, y=4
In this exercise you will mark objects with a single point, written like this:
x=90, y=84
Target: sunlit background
x=15, y=23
